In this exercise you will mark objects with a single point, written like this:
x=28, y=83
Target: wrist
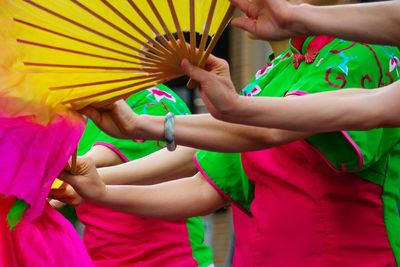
x=298, y=23
x=140, y=128
x=169, y=131
x=101, y=195
x=149, y=127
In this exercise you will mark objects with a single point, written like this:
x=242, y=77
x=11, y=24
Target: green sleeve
x=224, y=171
x=201, y=251
x=360, y=66
x=90, y=134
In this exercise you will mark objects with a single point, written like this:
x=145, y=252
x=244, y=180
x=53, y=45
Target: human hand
x=85, y=181
x=117, y=120
x=215, y=85
x=64, y=195
x=267, y=19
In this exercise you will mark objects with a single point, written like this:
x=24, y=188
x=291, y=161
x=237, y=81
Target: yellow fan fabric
x=70, y=53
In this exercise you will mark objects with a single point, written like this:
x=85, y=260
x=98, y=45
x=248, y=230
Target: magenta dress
x=32, y=156
x=329, y=200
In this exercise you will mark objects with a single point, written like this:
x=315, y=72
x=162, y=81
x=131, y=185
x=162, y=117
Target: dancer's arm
x=103, y=156
x=100, y=156
x=197, y=131
x=172, y=200
x=329, y=111
x=279, y=20
x=352, y=109
x=158, y=167
x=155, y=168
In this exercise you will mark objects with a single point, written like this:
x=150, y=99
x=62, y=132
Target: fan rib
x=228, y=16
x=123, y=95
x=81, y=52
x=193, y=41
x=135, y=27
x=225, y=21
x=84, y=42
x=155, y=51
x=72, y=86
x=115, y=98
x=164, y=26
x=38, y=64
x=148, y=82
x=182, y=40
x=204, y=38
x=150, y=24
x=90, y=29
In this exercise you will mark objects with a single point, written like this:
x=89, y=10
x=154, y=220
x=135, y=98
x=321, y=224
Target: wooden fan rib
x=129, y=22
x=146, y=84
x=206, y=32
x=80, y=85
x=156, y=52
x=112, y=90
x=151, y=25
x=90, y=29
x=184, y=48
x=193, y=41
x=38, y=64
x=166, y=30
x=79, y=52
x=123, y=95
x=225, y=21
x=84, y=41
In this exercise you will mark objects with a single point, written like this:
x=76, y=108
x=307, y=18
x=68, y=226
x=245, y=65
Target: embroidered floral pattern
x=264, y=70
x=252, y=90
x=160, y=95
x=394, y=63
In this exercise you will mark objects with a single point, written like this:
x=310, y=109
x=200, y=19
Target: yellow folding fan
x=77, y=53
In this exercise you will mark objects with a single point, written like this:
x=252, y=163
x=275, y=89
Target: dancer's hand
x=215, y=85
x=86, y=180
x=267, y=19
x=117, y=120
x=64, y=195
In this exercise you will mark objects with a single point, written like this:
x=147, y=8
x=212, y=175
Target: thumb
x=67, y=177
x=195, y=72
x=245, y=23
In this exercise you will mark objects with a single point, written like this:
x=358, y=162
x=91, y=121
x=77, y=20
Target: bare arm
x=100, y=156
x=370, y=23
x=172, y=200
x=197, y=131
x=279, y=20
x=182, y=198
x=103, y=156
x=155, y=168
x=205, y=132
x=353, y=109
x=161, y=166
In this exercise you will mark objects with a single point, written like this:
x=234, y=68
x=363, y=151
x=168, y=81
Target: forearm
x=371, y=23
x=103, y=156
x=155, y=168
x=205, y=132
x=183, y=198
x=353, y=109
